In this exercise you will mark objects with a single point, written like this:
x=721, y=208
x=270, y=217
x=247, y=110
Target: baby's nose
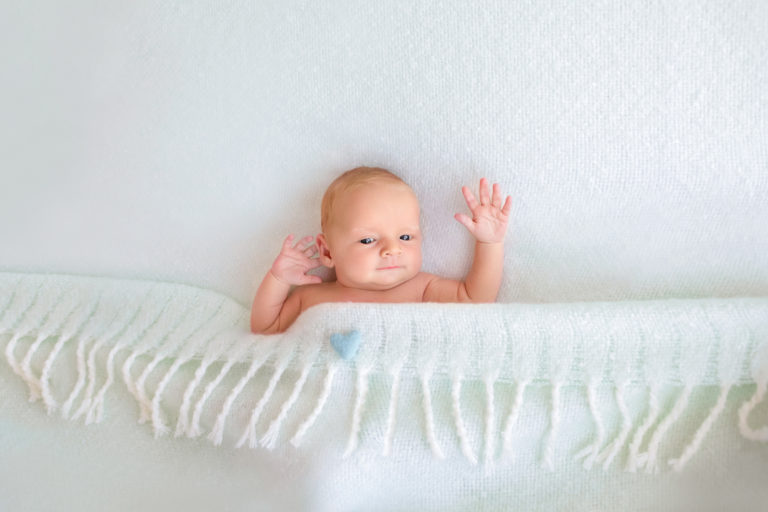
x=390, y=248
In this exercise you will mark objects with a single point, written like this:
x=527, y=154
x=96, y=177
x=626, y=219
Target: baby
x=371, y=237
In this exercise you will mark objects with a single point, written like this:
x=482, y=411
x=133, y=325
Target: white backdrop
x=184, y=140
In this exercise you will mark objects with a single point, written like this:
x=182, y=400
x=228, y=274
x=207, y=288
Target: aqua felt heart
x=346, y=344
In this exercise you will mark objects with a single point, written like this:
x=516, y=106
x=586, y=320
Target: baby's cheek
x=417, y=254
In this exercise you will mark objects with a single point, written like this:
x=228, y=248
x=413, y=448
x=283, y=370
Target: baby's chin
x=385, y=280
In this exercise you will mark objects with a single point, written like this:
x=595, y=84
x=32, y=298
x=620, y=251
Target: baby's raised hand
x=488, y=223
x=294, y=261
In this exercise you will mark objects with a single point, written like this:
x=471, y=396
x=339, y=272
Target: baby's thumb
x=308, y=279
x=465, y=220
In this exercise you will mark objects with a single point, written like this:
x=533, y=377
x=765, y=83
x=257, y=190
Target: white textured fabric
x=632, y=138
x=180, y=142
x=251, y=391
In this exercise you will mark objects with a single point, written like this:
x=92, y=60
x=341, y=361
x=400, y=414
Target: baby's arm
x=488, y=225
x=272, y=308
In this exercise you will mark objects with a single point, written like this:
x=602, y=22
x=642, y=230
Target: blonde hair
x=351, y=179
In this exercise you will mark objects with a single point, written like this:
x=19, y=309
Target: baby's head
x=371, y=234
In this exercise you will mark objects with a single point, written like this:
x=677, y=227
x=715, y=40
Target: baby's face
x=373, y=236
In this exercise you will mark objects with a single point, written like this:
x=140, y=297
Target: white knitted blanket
x=158, y=328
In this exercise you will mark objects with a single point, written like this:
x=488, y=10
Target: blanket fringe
x=554, y=425
x=357, y=415
x=489, y=449
x=461, y=430
x=298, y=437
x=512, y=417
x=269, y=439
x=175, y=338
x=760, y=434
x=613, y=448
x=85, y=405
x=690, y=450
x=591, y=452
x=650, y=457
x=429, y=418
x=635, y=460
x=392, y=412
x=96, y=413
x=760, y=374
x=259, y=357
x=195, y=429
x=283, y=358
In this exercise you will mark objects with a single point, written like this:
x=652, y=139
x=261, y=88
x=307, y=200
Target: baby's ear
x=325, y=252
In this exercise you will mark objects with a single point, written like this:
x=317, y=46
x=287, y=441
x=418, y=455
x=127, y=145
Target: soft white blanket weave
x=162, y=327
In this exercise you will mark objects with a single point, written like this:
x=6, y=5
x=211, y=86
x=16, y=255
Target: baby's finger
x=466, y=221
x=485, y=197
x=287, y=242
x=496, y=200
x=469, y=198
x=507, y=206
x=310, y=251
x=308, y=279
x=303, y=243
x=313, y=263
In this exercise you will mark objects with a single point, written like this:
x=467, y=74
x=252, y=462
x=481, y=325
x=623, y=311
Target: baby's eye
x=405, y=237
x=366, y=241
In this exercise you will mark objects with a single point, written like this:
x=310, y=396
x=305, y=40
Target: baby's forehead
x=370, y=203
x=361, y=191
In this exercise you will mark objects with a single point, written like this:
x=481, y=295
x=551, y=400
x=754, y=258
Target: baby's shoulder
x=421, y=282
x=311, y=294
x=423, y=279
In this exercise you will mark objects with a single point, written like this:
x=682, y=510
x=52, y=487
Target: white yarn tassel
x=217, y=433
x=461, y=430
x=610, y=451
x=159, y=427
x=693, y=446
x=45, y=375
x=182, y=423
x=745, y=410
x=651, y=461
x=591, y=452
x=429, y=418
x=85, y=405
x=362, y=392
x=81, y=374
x=101, y=339
x=513, y=415
x=392, y=414
x=26, y=368
x=549, y=446
x=490, y=419
x=97, y=407
x=11, y=357
x=195, y=429
x=635, y=460
x=269, y=439
x=48, y=312
x=144, y=402
x=250, y=431
x=298, y=437
x=760, y=374
x=58, y=319
x=129, y=382
x=88, y=405
x=122, y=324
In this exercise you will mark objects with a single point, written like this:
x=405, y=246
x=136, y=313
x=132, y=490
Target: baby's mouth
x=391, y=267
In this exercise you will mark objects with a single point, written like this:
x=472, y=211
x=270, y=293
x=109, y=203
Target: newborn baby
x=371, y=238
